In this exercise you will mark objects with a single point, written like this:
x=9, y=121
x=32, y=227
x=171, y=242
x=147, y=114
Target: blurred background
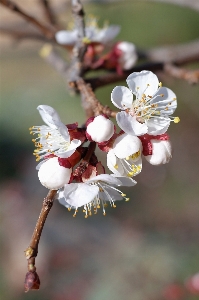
x=144, y=249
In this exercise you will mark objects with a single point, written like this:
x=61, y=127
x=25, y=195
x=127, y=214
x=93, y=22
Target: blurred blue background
x=140, y=247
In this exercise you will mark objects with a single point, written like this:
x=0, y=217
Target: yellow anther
x=127, y=199
x=137, y=87
x=74, y=215
x=114, y=206
x=101, y=190
x=128, y=157
x=86, y=40
x=160, y=84
x=104, y=214
x=86, y=216
x=90, y=213
x=135, y=155
x=176, y=120
x=69, y=208
x=123, y=195
x=148, y=84
x=116, y=166
x=162, y=95
x=45, y=50
x=98, y=206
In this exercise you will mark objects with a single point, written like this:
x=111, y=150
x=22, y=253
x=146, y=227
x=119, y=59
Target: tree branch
x=47, y=31
x=50, y=17
x=32, y=279
x=90, y=98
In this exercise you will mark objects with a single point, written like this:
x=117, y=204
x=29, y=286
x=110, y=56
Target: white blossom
x=101, y=129
x=125, y=156
x=52, y=175
x=53, y=138
x=128, y=56
x=94, y=193
x=146, y=105
x=93, y=33
x=161, y=152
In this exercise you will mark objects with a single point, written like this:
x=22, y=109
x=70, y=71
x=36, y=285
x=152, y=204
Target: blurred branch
x=192, y=76
x=50, y=17
x=179, y=54
x=32, y=279
x=20, y=35
x=52, y=57
x=48, y=32
x=80, y=47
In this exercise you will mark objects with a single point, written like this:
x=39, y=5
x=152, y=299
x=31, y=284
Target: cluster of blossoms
x=69, y=162
x=101, y=53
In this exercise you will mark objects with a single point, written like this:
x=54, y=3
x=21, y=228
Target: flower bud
x=161, y=152
x=32, y=281
x=52, y=175
x=99, y=130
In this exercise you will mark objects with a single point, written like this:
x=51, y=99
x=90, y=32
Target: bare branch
x=178, y=54
x=47, y=31
x=80, y=47
x=50, y=17
x=90, y=98
x=32, y=279
x=192, y=76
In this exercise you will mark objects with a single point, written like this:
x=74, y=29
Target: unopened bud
x=32, y=281
x=101, y=129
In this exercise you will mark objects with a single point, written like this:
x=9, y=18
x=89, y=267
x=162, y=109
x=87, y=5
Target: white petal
x=105, y=178
x=114, y=164
x=71, y=149
x=158, y=125
x=122, y=97
x=101, y=129
x=161, y=152
x=129, y=124
x=126, y=181
x=126, y=145
x=107, y=34
x=52, y=175
x=144, y=82
x=110, y=195
x=128, y=56
x=64, y=37
x=49, y=115
x=63, y=130
x=167, y=102
x=79, y=194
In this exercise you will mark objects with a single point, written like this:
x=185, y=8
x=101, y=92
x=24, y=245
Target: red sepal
x=64, y=162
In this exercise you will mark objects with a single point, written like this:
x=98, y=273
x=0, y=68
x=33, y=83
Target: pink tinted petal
x=122, y=97
x=130, y=125
x=144, y=82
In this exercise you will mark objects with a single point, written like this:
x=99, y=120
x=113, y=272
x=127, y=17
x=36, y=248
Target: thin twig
x=32, y=279
x=90, y=98
x=50, y=17
x=47, y=31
